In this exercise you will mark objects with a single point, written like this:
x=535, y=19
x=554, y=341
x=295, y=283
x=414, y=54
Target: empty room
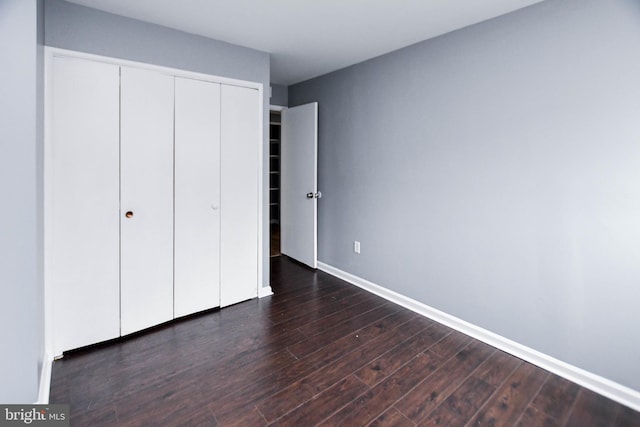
x=300, y=213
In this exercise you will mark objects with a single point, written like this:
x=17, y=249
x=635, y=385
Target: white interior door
x=197, y=196
x=299, y=183
x=146, y=219
x=84, y=203
x=240, y=172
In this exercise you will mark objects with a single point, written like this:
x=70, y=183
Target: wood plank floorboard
x=318, y=352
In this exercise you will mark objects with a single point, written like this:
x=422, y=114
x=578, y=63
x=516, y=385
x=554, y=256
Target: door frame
x=47, y=163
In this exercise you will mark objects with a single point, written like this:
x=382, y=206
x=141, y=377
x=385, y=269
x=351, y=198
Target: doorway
x=275, y=123
x=294, y=194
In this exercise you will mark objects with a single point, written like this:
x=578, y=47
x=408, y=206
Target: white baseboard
x=621, y=394
x=45, y=380
x=265, y=292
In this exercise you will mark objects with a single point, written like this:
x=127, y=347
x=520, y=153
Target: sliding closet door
x=146, y=218
x=239, y=202
x=197, y=196
x=84, y=203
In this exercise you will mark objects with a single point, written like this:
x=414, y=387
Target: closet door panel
x=146, y=173
x=84, y=203
x=239, y=196
x=197, y=196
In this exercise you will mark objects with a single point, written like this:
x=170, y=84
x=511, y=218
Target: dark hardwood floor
x=317, y=352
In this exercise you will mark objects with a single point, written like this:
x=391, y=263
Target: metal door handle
x=318, y=195
x=129, y=214
x=310, y=196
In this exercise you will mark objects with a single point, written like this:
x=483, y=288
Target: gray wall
x=494, y=173
x=21, y=309
x=279, y=95
x=74, y=27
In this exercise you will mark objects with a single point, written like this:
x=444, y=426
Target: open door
x=299, y=183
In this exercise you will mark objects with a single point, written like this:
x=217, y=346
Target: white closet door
x=239, y=203
x=197, y=196
x=146, y=174
x=84, y=211
x=299, y=184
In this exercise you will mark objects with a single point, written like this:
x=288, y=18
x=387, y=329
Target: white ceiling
x=308, y=38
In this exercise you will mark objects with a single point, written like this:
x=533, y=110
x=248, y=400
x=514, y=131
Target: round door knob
x=310, y=195
x=129, y=214
x=214, y=207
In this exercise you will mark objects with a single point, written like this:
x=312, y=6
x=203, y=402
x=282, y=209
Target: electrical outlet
x=356, y=246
